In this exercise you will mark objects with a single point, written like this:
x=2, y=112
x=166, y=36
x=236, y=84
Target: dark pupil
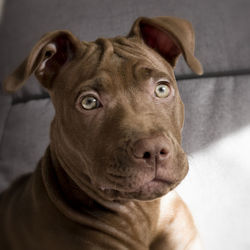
x=161, y=89
x=89, y=101
x=48, y=54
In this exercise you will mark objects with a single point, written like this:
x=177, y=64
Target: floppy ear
x=46, y=59
x=169, y=36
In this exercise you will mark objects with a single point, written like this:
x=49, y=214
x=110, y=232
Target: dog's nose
x=151, y=149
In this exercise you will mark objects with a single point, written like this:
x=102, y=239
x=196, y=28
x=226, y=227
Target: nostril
x=146, y=155
x=163, y=152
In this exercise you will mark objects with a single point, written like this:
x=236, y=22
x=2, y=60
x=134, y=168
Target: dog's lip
x=156, y=180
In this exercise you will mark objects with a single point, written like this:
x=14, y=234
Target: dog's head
x=118, y=112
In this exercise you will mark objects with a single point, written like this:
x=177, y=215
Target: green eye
x=162, y=90
x=90, y=102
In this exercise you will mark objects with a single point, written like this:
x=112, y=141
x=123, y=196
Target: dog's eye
x=90, y=102
x=162, y=90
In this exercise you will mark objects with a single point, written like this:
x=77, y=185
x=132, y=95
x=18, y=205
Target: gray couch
x=217, y=125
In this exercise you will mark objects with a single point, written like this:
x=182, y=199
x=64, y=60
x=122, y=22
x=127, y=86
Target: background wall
x=217, y=125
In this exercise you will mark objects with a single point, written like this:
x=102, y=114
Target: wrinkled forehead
x=122, y=60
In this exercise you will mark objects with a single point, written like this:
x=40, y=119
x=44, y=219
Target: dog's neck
x=78, y=206
x=66, y=192
x=76, y=197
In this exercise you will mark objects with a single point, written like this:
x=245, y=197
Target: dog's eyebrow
x=100, y=83
x=156, y=74
x=145, y=72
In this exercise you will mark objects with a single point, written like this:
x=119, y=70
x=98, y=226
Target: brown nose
x=151, y=149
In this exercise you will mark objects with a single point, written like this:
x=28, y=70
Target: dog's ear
x=169, y=36
x=46, y=59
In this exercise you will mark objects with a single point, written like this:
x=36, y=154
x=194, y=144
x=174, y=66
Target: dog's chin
x=151, y=190
x=145, y=184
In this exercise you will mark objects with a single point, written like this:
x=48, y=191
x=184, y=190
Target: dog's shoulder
x=173, y=210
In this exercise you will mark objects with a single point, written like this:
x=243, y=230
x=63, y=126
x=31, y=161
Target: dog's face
x=119, y=115
x=115, y=118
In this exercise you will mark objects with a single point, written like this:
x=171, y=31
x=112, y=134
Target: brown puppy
x=115, y=144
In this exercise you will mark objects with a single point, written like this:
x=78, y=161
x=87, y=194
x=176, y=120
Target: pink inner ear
x=54, y=59
x=64, y=52
x=161, y=42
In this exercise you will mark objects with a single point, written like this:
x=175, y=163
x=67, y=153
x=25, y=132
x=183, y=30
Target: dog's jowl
x=115, y=155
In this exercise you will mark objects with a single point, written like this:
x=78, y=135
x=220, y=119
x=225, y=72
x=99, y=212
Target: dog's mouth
x=147, y=190
x=140, y=181
x=131, y=190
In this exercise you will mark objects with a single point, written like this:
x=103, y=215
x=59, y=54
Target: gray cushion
x=215, y=107
x=25, y=138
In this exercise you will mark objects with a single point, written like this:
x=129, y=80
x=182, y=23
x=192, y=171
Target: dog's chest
x=132, y=226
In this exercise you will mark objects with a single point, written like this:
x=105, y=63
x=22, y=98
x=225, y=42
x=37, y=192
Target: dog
x=107, y=178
